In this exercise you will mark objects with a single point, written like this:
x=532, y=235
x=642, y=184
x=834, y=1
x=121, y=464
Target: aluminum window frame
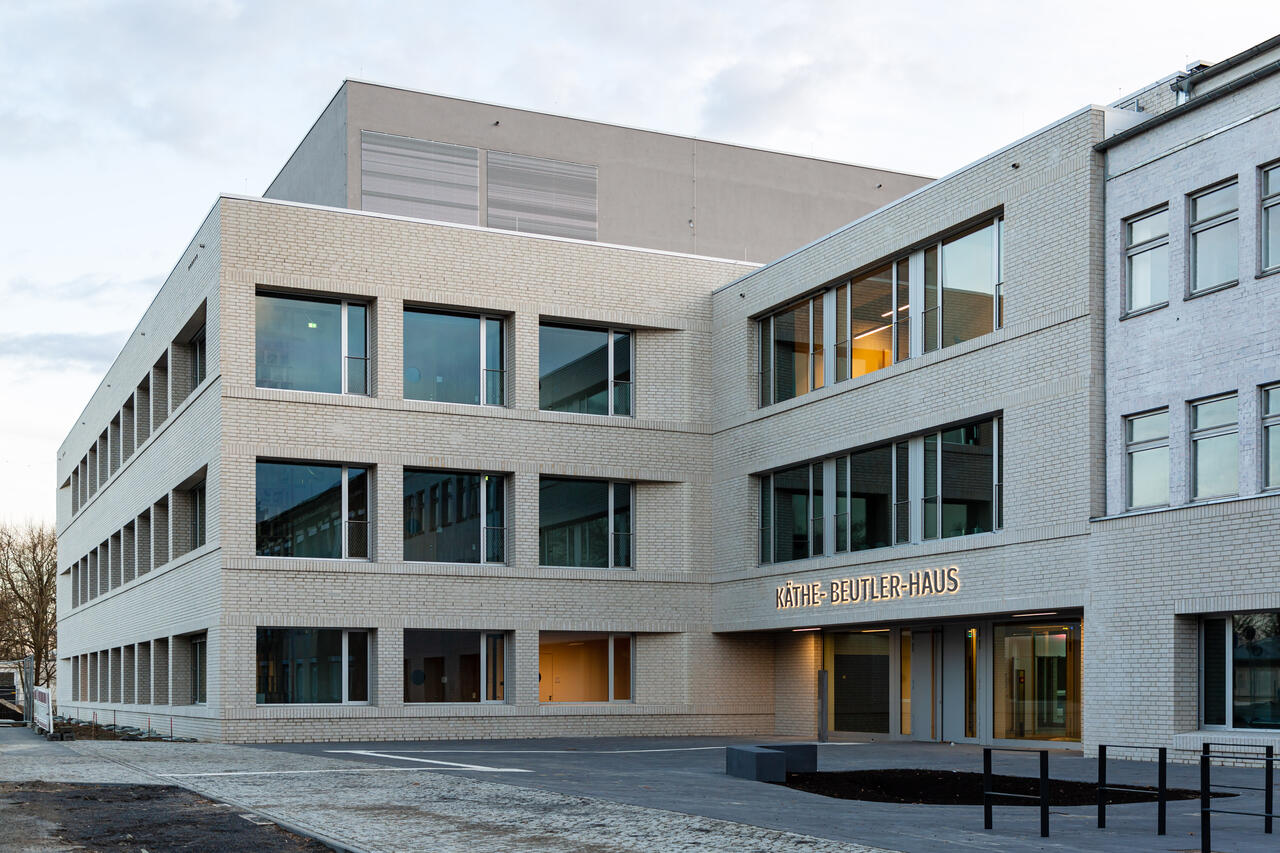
x=346, y=509
x=344, y=353
x=611, y=638
x=1229, y=681
x=1131, y=447
x=483, y=319
x=483, y=512
x=611, y=337
x=1196, y=227
x=199, y=669
x=1142, y=247
x=1268, y=206
x=610, y=519
x=1197, y=434
x=812, y=522
x=345, y=666
x=484, y=637
x=1267, y=423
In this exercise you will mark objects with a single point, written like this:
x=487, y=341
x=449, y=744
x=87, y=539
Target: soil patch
x=954, y=788
x=137, y=817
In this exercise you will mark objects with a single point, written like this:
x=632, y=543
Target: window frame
x=344, y=667
x=484, y=319
x=199, y=353
x=199, y=508
x=483, y=636
x=996, y=224
x=611, y=338
x=612, y=637
x=1268, y=206
x=483, y=512
x=199, y=669
x=1133, y=250
x=346, y=508
x=609, y=519
x=344, y=355
x=1229, y=680
x=1197, y=434
x=1131, y=447
x=1268, y=422
x=1196, y=227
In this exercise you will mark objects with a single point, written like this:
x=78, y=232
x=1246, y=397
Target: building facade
x=488, y=423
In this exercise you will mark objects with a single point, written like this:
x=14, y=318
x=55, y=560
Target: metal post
x=1163, y=792
x=1044, y=793
x=1270, y=797
x=823, y=698
x=986, y=787
x=1102, y=786
x=1204, y=801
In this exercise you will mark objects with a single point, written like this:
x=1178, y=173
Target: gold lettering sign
x=888, y=587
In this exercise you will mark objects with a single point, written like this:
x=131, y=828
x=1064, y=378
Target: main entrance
x=973, y=681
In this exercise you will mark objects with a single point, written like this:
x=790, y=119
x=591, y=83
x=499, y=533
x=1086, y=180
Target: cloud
x=63, y=351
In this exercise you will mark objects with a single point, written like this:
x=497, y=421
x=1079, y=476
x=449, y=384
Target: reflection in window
x=312, y=510
x=1214, y=448
x=1037, y=681
x=453, y=358
x=864, y=499
x=584, y=370
x=1271, y=218
x=453, y=666
x=1147, y=260
x=1241, y=674
x=858, y=667
x=1214, y=238
x=312, y=665
x=966, y=280
x=311, y=345
x=199, y=670
x=1147, y=459
x=584, y=523
x=1271, y=437
x=959, y=481
x=453, y=517
x=584, y=667
x=791, y=504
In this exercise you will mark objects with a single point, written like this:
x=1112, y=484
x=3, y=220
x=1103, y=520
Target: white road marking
x=443, y=765
x=557, y=751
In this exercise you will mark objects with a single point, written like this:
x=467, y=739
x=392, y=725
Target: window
x=1214, y=238
x=961, y=275
x=954, y=488
x=865, y=323
x=584, y=667
x=454, y=517
x=791, y=513
x=312, y=510
x=1240, y=671
x=1271, y=437
x=960, y=481
x=584, y=523
x=310, y=344
x=199, y=669
x=1036, y=692
x=198, y=357
x=1147, y=459
x=584, y=370
x=312, y=666
x=453, y=358
x=1214, y=448
x=1147, y=260
x=1271, y=217
x=198, y=515
x=453, y=666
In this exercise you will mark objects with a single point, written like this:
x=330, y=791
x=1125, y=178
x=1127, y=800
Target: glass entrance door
x=1037, y=681
x=859, y=668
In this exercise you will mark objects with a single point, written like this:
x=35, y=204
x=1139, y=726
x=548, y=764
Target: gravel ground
x=394, y=809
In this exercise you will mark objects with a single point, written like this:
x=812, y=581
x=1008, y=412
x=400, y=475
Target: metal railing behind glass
x=766, y=545
x=358, y=540
x=622, y=550
x=357, y=374
x=495, y=381
x=621, y=397
x=495, y=544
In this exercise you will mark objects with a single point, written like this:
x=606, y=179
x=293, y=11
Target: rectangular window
x=453, y=358
x=584, y=667
x=198, y=515
x=1147, y=260
x=584, y=523
x=1147, y=459
x=901, y=493
x=1271, y=217
x=970, y=270
x=1036, y=671
x=1240, y=678
x=454, y=517
x=308, y=344
x=791, y=352
x=794, y=506
x=870, y=498
x=1215, y=243
x=1214, y=448
x=960, y=481
x=1271, y=437
x=312, y=510
x=453, y=666
x=198, y=366
x=199, y=669
x=584, y=370
x=312, y=666
x=864, y=324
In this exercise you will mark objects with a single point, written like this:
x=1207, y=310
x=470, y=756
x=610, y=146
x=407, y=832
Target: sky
x=121, y=122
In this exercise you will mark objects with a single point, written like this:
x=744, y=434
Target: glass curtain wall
x=584, y=370
x=307, y=344
x=453, y=666
x=453, y=358
x=453, y=517
x=1036, y=675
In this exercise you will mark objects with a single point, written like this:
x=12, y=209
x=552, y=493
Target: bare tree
x=28, y=595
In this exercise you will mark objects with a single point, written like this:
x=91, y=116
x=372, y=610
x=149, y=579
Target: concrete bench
x=755, y=762
x=801, y=757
